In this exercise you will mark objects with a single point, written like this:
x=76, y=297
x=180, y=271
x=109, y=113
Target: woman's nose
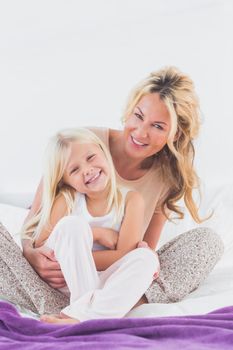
x=142, y=131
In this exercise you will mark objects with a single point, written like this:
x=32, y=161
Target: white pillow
x=220, y=200
x=12, y=218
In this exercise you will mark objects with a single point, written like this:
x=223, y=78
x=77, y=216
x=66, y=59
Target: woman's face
x=147, y=128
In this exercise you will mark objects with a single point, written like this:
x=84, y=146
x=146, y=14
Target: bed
x=203, y=320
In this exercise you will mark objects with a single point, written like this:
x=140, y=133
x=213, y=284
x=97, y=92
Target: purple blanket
x=211, y=331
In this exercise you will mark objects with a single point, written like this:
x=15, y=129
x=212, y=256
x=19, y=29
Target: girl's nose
x=88, y=171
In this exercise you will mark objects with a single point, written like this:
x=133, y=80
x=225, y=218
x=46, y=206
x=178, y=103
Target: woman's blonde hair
x=57, y=156
x=177, y=92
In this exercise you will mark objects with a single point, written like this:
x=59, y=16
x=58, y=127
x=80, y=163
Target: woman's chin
x=136, y=152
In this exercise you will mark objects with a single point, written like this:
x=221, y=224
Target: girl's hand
x=105, y=236
x=44, y=263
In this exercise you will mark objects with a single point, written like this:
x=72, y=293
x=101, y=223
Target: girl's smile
x=87, y=170
x=93, y=178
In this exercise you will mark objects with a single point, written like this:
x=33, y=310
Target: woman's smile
x=147, y=127
x=136, y=142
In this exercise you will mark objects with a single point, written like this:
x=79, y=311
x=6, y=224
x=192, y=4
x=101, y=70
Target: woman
x=154, y=154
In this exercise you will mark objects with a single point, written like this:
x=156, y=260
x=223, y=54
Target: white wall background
x=73, y=63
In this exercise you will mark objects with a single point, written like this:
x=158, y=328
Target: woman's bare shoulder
x=114, y=134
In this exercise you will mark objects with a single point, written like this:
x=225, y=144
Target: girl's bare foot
x=61, y=319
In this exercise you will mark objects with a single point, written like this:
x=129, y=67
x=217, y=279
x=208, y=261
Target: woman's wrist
x=27, y=245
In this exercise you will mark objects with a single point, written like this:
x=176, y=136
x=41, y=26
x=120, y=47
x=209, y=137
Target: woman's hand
x=43, y=261
x=143, y=244
x=105, y=236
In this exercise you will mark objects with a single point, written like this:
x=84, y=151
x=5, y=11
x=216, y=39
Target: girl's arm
x=154, y=229
x=106, y=237
x=130, y=234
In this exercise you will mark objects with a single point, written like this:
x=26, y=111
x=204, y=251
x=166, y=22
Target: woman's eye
x=158, y=126
x=139, y=116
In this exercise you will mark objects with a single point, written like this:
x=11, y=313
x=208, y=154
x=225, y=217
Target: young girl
x=81, y=205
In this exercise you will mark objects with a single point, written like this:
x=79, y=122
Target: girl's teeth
x=93, y=178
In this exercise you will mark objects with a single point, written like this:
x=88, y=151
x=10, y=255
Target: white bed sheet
x=217, y=289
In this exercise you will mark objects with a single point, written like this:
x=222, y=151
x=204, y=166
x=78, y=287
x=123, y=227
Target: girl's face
x=147, y=128
x=87, y=170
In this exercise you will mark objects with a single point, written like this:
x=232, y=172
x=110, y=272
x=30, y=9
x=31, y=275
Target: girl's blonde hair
x=177, y=92
x=57, y=156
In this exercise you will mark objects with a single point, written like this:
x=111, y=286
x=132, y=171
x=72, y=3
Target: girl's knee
x=70, y=220
x=72, y=226
x=72, y=223
x=147, y=258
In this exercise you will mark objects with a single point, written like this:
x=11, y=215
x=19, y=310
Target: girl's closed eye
x=90, y=157
x=74, y=170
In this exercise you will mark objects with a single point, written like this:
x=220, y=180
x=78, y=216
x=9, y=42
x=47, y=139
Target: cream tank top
x=152, y=185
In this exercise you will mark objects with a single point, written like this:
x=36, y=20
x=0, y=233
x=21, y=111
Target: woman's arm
x=154, y=229
x=42, y=258
x=36, y=202
x=130, y=234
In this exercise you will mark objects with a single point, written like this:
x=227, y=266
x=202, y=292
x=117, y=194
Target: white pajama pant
x=107, y=294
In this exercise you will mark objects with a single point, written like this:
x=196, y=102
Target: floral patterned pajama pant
x=185, y=262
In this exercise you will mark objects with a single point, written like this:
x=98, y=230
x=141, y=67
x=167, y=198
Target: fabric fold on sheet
x=209, y=331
